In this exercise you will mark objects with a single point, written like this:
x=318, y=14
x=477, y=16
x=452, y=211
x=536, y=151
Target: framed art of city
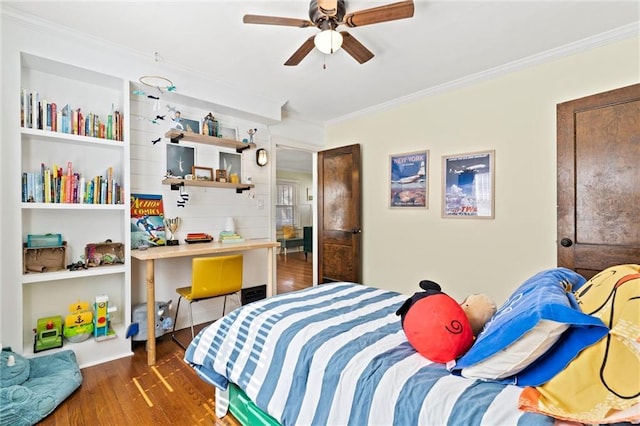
x=468, y=181
x=409, y=180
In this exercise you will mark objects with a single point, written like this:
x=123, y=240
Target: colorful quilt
x=337, y=354
x=601, y=385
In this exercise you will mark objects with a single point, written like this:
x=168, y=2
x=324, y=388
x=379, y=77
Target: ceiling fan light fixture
x=328, y=41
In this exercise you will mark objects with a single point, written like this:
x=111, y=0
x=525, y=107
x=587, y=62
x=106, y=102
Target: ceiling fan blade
x=277, y=20
x=354, y=48
x=328, y=7
x=375, y=15
x=302, y=51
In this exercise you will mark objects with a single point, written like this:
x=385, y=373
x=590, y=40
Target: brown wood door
x=599, y=181
x=339, y=215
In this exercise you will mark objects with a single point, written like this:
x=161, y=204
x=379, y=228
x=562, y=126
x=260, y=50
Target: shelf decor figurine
x=251, y=132
x=172, y=224
x=210, y=125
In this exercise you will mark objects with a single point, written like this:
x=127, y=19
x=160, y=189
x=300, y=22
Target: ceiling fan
x=327, y=15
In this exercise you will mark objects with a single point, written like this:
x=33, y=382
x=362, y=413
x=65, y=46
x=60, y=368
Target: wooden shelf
x=177, y=135
x=239, y=187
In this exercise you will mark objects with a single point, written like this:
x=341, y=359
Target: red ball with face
x=437, y=327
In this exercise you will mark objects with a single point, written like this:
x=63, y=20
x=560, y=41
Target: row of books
x=53, y=185
x=37, y=113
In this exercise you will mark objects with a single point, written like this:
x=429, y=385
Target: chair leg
x=173, y=331
x=193, y=335
x=224, y=305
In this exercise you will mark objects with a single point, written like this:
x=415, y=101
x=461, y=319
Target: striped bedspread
x=336, y=354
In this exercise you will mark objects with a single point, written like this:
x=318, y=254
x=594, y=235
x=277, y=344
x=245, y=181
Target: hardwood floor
x=129, y=392
x=294, y=272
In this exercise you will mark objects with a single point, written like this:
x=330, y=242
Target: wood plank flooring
x=129, y=392
x=294, y=272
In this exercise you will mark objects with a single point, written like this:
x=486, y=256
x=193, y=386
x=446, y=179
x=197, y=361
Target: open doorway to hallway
x=294, y=218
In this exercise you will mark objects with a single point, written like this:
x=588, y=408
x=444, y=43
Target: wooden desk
x=183, y=250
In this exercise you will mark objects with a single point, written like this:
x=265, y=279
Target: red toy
x=435, y=324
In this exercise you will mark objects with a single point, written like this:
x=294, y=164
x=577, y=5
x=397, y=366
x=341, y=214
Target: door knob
x=566, y=242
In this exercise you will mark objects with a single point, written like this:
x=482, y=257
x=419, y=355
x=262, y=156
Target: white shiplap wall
x=207, y=208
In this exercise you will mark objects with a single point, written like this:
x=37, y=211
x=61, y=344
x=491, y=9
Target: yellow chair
x=215, y=276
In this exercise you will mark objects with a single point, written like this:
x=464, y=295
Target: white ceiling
x=445, y=41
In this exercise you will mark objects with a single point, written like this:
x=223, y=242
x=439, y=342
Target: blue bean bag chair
x=30, y=389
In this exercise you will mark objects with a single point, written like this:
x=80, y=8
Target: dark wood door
x=599, y=181
x=339, y=215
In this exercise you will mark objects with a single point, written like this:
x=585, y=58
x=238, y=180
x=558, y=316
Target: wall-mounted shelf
x=239, y=187
x=177, y=135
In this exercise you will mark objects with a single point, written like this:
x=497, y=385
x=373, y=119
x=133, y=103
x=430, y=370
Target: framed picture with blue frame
x=469, y=181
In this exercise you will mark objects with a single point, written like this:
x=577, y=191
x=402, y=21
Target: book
x=147, y=221
x=54, y=117
x=46, y=109
x=231, y=240
x=68, y=190
x=23, y=106
x=230, y=237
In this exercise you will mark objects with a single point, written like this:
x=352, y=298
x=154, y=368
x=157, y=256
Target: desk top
x=185, y=249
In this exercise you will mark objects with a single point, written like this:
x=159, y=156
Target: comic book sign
x=147, y=221
x=468, y=185
x=409, y=180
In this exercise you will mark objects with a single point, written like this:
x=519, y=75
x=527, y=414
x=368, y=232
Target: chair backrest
x=216, y=275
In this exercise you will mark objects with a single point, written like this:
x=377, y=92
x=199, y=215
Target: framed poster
x=409, y=179
x=180, y=159
x=232, y=163
x=468, y=185
x=190, y=125
x=228, y=132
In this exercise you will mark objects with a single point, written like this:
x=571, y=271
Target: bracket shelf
x=176, y=135
x=177, y=183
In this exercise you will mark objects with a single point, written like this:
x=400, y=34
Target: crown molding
x=603, y=39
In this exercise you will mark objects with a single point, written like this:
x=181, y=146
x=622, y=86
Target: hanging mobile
x=161, y=83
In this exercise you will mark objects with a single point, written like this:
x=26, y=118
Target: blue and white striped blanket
x=336, y=354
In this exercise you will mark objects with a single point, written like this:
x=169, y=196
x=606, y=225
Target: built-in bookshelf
x=64, y=183
x=78, y=161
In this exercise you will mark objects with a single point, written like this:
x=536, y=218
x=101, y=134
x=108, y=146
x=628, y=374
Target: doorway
x=294, y=208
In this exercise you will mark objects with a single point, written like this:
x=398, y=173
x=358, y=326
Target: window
x=286, y=203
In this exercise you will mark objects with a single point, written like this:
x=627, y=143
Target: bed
x=336, y=354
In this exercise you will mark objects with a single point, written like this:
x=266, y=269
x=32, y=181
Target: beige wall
x=514, y=115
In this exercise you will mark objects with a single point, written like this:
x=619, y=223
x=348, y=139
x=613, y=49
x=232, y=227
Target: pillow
x=14, y=369
x=288, y=231
x=522, y=343
x=601, y=384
